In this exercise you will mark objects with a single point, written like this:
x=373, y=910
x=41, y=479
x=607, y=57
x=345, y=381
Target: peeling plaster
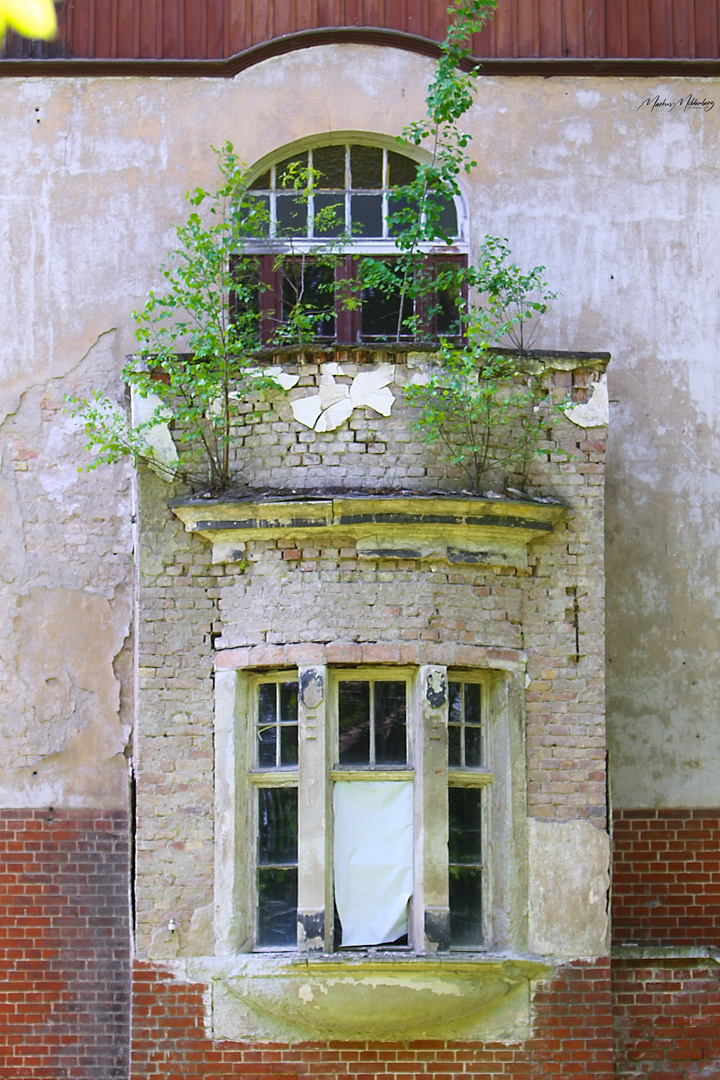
x=335, y=402
x=68, y=711
x=596, y=411
x=158, y=437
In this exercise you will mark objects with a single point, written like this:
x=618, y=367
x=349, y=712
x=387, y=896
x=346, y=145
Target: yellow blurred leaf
x=31, y=18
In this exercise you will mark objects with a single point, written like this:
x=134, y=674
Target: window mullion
x=313, y=854
x=431, y=910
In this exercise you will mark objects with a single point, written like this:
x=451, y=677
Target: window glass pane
x=366, y=215
x=283, y=171
x=406, y=210
x=454, y=759
x=473, y=747
x=267, y=721
x=465, y=906
x=288, y=720
x=472, y=703
x=329, y=163
x=454, y=724
x=381, y=314
x=465, y=821
x=447, y=316
x=366, y=167
x=329, y=215
x=465, y=869
x=261, y=182
x=390, y=723
x=245, y=292
x=277, y=826
x=289, y=744
x=255, y=212
x=291, y=215
x=309, y=296
x=455, y=702
x=288, y=703
x=277, y=907
x=443, y=217
x=354, y=722
x=402, y=169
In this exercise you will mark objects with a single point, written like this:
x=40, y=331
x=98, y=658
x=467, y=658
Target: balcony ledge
x=433, y=528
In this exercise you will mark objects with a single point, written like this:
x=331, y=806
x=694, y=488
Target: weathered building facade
x=146, y=650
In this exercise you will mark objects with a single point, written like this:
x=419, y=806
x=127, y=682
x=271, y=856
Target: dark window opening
x=349, y=299
x=465, y=866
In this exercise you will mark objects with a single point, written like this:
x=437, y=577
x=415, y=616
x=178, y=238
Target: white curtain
x=373, y=859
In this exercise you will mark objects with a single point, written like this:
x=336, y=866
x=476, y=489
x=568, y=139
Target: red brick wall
x=64, y=945
x=666, y=1020
x=572, y=1038
x=666, y=877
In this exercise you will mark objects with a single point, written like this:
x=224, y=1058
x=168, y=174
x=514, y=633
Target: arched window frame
x=348, y=326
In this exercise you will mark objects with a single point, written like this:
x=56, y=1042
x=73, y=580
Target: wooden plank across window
x=521, y=29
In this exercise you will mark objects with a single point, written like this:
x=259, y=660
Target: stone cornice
x=432, y=528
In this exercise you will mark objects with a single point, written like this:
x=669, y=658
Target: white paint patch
x=578, y=133
x=334, y=403
x=588, y=98
x=158, y=438
x=596, y=411
x=282, y=378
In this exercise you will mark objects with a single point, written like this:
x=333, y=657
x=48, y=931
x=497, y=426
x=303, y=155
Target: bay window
x=365, y=818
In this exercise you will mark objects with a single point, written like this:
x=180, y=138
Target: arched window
x=326, y=258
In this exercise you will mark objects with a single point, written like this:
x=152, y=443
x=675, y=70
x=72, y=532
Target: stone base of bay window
x=382, y=998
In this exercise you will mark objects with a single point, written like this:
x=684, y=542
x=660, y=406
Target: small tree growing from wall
x=481, y=404
x=194, y=361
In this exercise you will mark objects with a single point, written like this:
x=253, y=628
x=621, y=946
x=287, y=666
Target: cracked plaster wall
x=65, y=605
x=619, y=203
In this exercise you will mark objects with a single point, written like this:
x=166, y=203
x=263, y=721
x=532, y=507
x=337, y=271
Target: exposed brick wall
x=666, y=877
x=369, y=451
x=64, y=945
x=572, y=1038
x=666, y=1020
